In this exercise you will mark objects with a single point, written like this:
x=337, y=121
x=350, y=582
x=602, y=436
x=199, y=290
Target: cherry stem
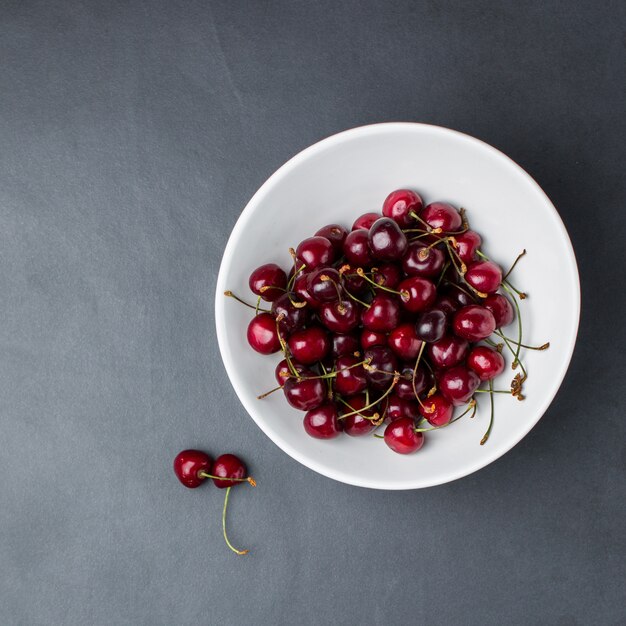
x=256, y=309
x=267, y=393
x=505, y=283
x=230, y=545
x=462, y=268
x=370, y=405
x=521, y=294
x=488, y=432
x=247, y=479
x=417, y=362
x=519, y=326
x=471, y=407
x=508, y=345
x=353, y=297
x=283, y=346
x=329, y=380
x=544, y=346
x=443, y=272
x=508, y=392
x=519, y=256
x=362, y=274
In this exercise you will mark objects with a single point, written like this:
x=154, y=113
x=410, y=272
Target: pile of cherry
x=391, y=323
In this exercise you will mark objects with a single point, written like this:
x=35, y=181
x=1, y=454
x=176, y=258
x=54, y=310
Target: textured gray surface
x=132, y=135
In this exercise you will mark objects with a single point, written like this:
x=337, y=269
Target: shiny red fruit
x=371, y=338
x=262, y=334
x=399, y=205
x=501, y=308
x=448, y=351
x=292, y=316
x=417, y=293
x=300, y=287
x=397, y=407
x=305, y=394
x=350, y=378
x=323, y=422
x=407, y=387
x=473, y=322
x=467, y=245
x=437, y=410
x=442, y=215
x=383, y=313
x=356, y=248
x=228, y=466
x=401, y=437
x=335, y=233
x=360, y=423
x=309, y=345
x=282, y=371
x=340, y=317
x=420, y=260
x=484, y=276
x=268, y=281
x=315, y=252
x=342, y=344
x=386, y=241
x=458, y=384
x=387, y=275
x=323, y=284
x=365, y=221
x=487, y=363
x=382, y=364
x=188, y=463
x=404, y=341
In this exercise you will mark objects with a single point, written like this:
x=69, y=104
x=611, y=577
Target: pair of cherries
x=194, y=467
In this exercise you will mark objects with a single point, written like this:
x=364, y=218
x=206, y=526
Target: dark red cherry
x=323, y=284
x=262, y=334
x=387, y=242
x=342, y=344
x=487, y=363
x=399, y=204
x=442, y=215
x=371, y=338
x=323, y=422
x=473, y=322
x=336, y=234
x=292, y=317
x=431, y=325
x=350, y=378
x=458, y=384
x=437, y=410
x=340, y=317
x=365, y=221
x=268, y=281
x=466, y=245
x=448, y=351
x=423, y=382
x=188, y=463
x=305, y=394
x=227, y=467
x=484, y=276
x=447, y=304
x=401, y=437
x=387, y=275
x=501, y=308
x=420, y=260
x=381, y=367
x=360, y=423
x=459, y=294
x=383, y=313
x=351, y=281
x=397, y=407
x=417, y=293
x=315, y=252
x=356, y=248
x=300, y=288
x=404, y=342
x=282, y=371
x=309, y=345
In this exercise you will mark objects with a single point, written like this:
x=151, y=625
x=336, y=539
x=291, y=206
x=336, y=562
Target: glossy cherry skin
x=401, y=437
x=351, y=281
x=188, y=463
x=282, y=371
x=262, y=334
x=356, y=248
x=501, y=308
x=397, y=407
x=268, y=281
x=423, y=382
x=404, y=342
x=458, y=384
x=417, y=293
x=324, y=284
x=228, y=466
x=300, y=288
x=448, y=351
x=487, y=363
x=383, y=362
x=371, y=338
x=309, y=345
x=431, y=325
x=459, y=294
x=315, y=252
x=387, y=275
x=358, y=424
x=437, y=410
x=323, y=422
x=292, y=317
x=399, y=205
x=336, y=234
x=305, y=394
x=484, y=276
x=365, y=221
x=350, y=378
x=467, y=244
x=473, y=322
x=340, y=317
x=383, y=313
x=442, y=215
x=447, y=304
x=386, y=241
x=342, y=344
x=420, y=260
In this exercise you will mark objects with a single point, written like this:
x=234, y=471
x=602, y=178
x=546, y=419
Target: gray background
x=132, y=134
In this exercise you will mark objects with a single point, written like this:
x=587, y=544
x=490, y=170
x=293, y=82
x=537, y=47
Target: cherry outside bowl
x=335, y=181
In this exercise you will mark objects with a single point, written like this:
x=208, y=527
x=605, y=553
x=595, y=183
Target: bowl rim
x=490, y=455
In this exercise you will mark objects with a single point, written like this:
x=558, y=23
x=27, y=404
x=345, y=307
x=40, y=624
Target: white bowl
x=348, y=174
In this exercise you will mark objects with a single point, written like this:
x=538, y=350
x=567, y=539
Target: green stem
x=544, y=346
x=486, y=435
x=256, y=309
x=519, y=326
x=230, y=545
x=519, y=256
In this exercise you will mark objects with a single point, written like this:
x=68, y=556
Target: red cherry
x=336, y=234
x=309, y=345
x=442, y=215
x=365, y=221
x=305, y=394
x=458, y=384
x=447, y=304
x=383, y=313
x=340, y=317
x=417, y=293
x=282, y=371
x=460, y=295
x=300, y=287
x=386, y=241
x=371, y=338
x=420, y=260
x=437, y=410
x=401, y=437
x=350, y=378
x=466, y=245
x=356, y=248
x=230, y=471
x=473, y=322
x=448, y=351
x=264, y=278
x=315, y=252
x=397, y=407
x=292, y=317
x=360, y=423
x=405, y=386
x=323, y=422
x=487, y=363
x=404, y=341
x=323, y=284
x=188, y=464
x=381, y=368
x=342, y=344
x=501, y=308
x=262, y=334
x=484, y=276
x=387, y=275
x=399, y=205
